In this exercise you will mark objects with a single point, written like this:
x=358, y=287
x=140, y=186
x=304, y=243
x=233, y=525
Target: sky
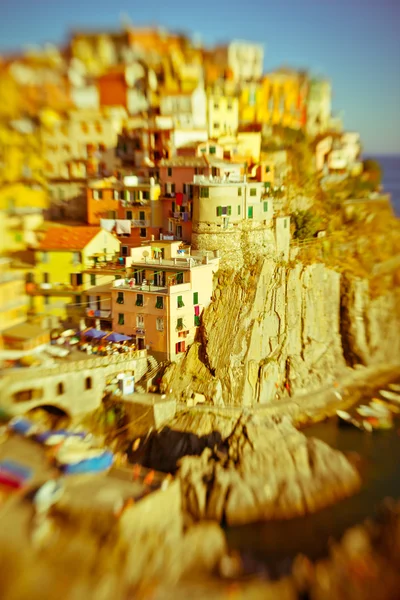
x=355, y=43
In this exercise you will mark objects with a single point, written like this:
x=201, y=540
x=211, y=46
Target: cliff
x=273, y=329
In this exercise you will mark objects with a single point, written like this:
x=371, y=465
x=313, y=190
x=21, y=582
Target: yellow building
x=13, y=300
x=20, y=195
x=160, y=306
x=223, y=115
x=243, y=147
x=280, y=98
x=20, y=152
x=61, y=256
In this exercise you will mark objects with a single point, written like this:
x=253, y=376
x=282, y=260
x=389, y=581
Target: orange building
x=113, y=89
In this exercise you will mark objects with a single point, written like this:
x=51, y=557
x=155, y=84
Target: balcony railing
x=140, y=223
x=100, y=314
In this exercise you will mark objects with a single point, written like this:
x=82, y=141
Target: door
x=179, y=232
x=140, y=343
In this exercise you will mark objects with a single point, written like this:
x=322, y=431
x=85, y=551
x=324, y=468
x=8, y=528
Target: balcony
x=140, y=223
x=140, y=331
x=99, y=314
x=56, y=289
x=180, y=216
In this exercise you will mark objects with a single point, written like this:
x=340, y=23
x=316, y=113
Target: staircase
x=153, y=369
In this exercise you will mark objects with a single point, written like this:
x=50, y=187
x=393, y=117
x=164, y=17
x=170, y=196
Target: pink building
x=176, y=178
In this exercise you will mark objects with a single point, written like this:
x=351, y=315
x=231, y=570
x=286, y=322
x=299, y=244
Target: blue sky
x=353, y=42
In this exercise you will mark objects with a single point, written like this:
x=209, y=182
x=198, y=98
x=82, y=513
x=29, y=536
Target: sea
x=391, y=178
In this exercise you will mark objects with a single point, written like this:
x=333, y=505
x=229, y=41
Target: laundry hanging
x=107, y=224
x=123, y=226
x=179, y=199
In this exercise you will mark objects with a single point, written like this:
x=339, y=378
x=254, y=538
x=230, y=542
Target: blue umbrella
x=118, y=337
x=95, y=334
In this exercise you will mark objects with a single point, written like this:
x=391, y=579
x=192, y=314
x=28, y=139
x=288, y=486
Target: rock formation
x=264, y=470
x=273, y=329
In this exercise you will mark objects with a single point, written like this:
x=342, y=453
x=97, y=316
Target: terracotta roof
x=67, y=238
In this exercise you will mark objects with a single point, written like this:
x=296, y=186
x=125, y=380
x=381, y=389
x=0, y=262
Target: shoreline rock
x=265, y=469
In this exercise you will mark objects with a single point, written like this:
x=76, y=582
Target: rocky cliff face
x=273, y=330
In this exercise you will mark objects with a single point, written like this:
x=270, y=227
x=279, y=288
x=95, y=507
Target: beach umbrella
x=117, y=337
x=94, y=334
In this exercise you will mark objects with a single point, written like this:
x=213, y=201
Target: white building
x=246, y=60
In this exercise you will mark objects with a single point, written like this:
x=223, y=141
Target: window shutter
x=195, y=297
x=219, y=211
x=229, y=210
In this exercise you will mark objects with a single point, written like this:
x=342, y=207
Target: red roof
x=67, y=238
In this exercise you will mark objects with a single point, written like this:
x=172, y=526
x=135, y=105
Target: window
x=95, y=195
x=143, y=232
x=129, y=215
x=120, y=298
x=76, y=279
x=121, y=194
x=179, y=277
x=253, y=192
x=216, y=125
x=239, y=191
x=78, y=300
x=180, y=303
x=196, y=320
x=169, y=172
x=160, y=324
x=30, y=394
x=285, y=223
x=216, y=106
x=179, y=324
x=229, y=105
x=124, y=250
x=160, y=302
x=238, y=209
x=76, y=258
x=250, y=212
x=180, y=347
x=116, y=194
x=142, y=215
x=267, y=169
x=173, y=206
x=93, y=280
x=146, y=195
x=214, y=171
x=195, y=297
x=88, y=383
x=121, y=319
x=212, y=149
x=139, y=321
x=139, y=300
x=265, y=206
x=60, y=389
x=45, y=257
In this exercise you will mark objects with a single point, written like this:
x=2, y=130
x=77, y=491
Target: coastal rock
x=264, y=470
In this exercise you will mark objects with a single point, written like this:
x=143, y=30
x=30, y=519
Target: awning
x=94, y=334
x=117, y=337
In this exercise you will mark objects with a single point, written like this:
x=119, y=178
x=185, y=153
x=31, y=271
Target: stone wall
x=237, y=245
x=75, y=387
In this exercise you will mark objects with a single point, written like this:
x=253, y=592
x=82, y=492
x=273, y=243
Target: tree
x=306, y=224
x=373, y=170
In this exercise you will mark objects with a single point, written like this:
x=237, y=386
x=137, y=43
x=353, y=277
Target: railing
x=140, y=223
x=101, y=314
x=74, y=365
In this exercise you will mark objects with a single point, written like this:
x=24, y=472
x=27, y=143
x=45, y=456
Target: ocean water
x=391, y=178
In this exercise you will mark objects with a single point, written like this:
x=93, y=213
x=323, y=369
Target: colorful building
x=130, y=207
x=13, y=299
x=223, y=115
x=61, y=256
x=319, y=107
x=188, y=110
x=160, y=305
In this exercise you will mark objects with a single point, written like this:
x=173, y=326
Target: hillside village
x=135, y=164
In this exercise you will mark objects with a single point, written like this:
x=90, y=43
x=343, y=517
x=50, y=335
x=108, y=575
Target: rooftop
x=24, y=331
x=68, y=238
x=184, y=161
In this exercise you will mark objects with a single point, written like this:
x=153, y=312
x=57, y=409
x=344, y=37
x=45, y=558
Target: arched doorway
x=50, y=416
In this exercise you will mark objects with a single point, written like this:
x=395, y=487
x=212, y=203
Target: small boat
x=345, y=419
x=377, y=410
x=380, y=423
x=395, y=387
x=14, y=474
x=23, y=426
x=392, y=396
x=392, y=407
x=94, y=463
